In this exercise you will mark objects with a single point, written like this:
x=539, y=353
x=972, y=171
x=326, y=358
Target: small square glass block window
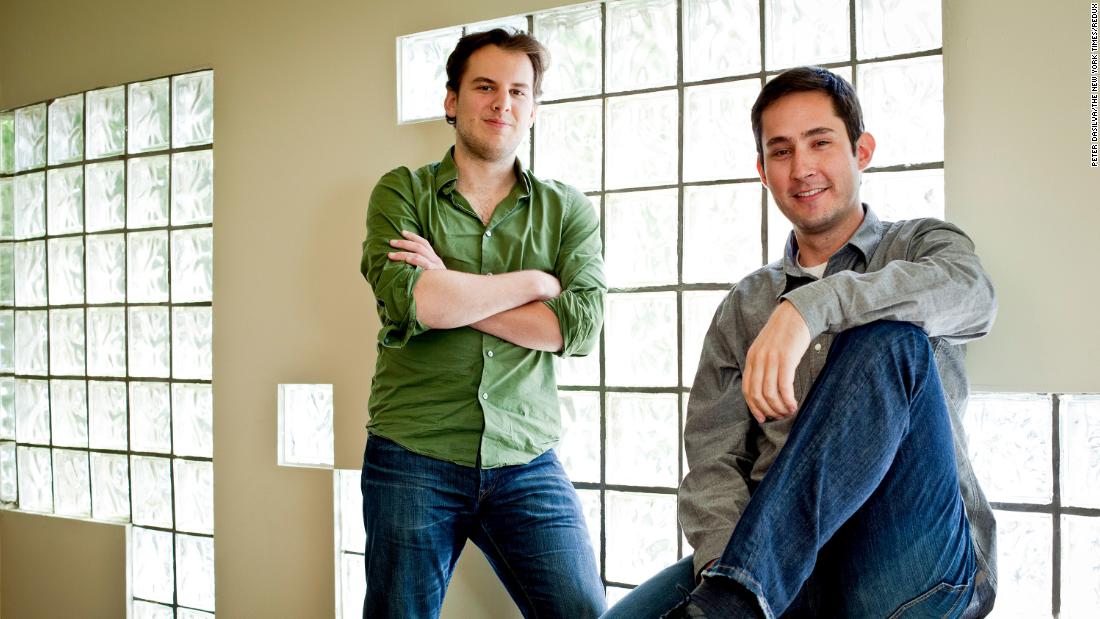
x=192, y=187
x=106, y=265
x=721, y=232
x=69, y=413
x=721, y=38
x=1080, y=447
x=35, y=479
x=147, y=341
x=147, y=267
x=580, y=442
x=192, y=109
x=105, y=196
x=67, y=342
x=150, y=417
x=641, y=439
x=643, y=158
x=71, y=483
x=152, y=573
x=195, y=571
x=106, y=122
x=7, y=142
x=910, y=89
x=641, y=238
x=699, y=308
x=107, y=420
x=641, y=44
x=30, y=205
x=423, y=59
x=718, y=143
x=891, y=27
x=106, y=341
x=30, y=137
x=904, y=195
x=7, y=408
x=573, y=35
x=110, y=487
x=30, y=274
x=640, y=332
x=568, y=139
x=1080, y=566
x=349, y=511
x=151, y=491
x=148, y=117
x=353, y=587
x=192, y=265
x=31, y=333
x=7, y=209
x=9, y=483
x=32, y=411
x=641, y=535
x=1024, y=568
x=805, y=32
x=147, y=192
x=1010, y=446
x=147, y=610
x=66, y=135
x=192, y=420
x=194, y=495
x=192, y=343
x=65, y=200
x=305, y=425
x=579, y=371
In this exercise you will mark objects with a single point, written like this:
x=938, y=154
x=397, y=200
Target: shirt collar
x=446, y=175
x=865, y=240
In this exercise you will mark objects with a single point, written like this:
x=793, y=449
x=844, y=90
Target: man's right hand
x=417, y=252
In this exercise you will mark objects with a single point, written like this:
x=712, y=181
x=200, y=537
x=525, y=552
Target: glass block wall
x=106, y=262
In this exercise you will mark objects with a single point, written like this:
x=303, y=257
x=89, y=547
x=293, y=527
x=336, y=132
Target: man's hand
x=418, y=252
x=768, y=377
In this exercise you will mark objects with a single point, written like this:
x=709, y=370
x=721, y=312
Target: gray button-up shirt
x=921, y=271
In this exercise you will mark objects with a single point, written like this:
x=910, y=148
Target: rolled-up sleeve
x=579, y=268
x=392, y=210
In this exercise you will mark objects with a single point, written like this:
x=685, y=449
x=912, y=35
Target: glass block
x=779, y=230
x=195, y=571
x=422, y=73
x=66, y=133
x=192, y=109
x=641, y=238
x=579, y=371
x=69, y=413
x=699, y=308
x=32, y=411
x=579, y=450
x=640, y=332
x=721, y=232
x=148, y=128
x=147, y=267
x=151, y=491
x=187, y=613
x=305, y=425
x=106, y=341
x=192, y=342
x=573, y=36
x=7, y=408
x=592, y=507
x=642, y=439
x=148, y=610
x=67, y=342
x=30, y=273
x=1024, y=563
x=66, y=269
x=148, y=342
x=7, y=343
x=105, y=196
x=353, y=588
x=71, y=483
x=30, y=205
x=1010, y=446
x=30, y=137
x=107, y=421
x=1080, y=451
x=643, y=158
x=721, y=38
x=615, y=594
x=568, y=143
x=65, y=200
x=349, y=507
x=718, y=143
x=192, y=265
x=9, y=482
x=110, y=487
x=641, y=535
x=106, y=268
x=150, y=417
x=35, y=479
x=194, y=496
x=7, y=208
x=151, y=568
x=801, y=32
x=641, y=44
x=7, y=142
x=891, y=27
x=106, y=122
x=7, y=274
x=192, y=187
x=192, y=420
x=31, y=334
x=147, y=192
x=904, y=195
x=910, y=89
x=1080, y=566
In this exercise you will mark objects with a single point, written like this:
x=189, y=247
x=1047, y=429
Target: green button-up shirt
x=452, y=393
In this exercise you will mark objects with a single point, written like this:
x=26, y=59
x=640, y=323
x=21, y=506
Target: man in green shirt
x=482, y=272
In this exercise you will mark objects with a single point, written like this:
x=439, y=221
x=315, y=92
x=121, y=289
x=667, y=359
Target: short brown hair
x=509, y=41
x=810, y=79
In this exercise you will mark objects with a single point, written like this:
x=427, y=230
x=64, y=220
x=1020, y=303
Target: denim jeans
x=860, y=516
x=527, y=519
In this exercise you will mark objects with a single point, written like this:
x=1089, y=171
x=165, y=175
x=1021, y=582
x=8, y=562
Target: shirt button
x=490, y=353
x=817, y=347
x=485, y=396
x=488, y=233
x=488, y=273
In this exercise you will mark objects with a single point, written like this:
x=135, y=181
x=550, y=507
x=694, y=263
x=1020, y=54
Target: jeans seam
x=511, y=572
x=927, y=594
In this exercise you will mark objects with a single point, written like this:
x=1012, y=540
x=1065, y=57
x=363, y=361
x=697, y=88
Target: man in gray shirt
x=828, y=473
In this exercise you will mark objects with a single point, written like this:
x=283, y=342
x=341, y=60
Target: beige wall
x=305, y=110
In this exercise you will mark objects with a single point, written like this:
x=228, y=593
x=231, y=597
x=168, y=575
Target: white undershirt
x=817, y=271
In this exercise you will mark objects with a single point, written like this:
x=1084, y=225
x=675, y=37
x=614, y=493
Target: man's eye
x=783, y=152
x=485, y=87
x=822, y=143
x=519, y=93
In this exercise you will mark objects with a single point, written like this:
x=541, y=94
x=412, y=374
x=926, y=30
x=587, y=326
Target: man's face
x=495, y=104
x=808, y=163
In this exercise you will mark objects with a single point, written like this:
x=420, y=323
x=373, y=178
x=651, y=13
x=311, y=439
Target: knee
x=889, y=337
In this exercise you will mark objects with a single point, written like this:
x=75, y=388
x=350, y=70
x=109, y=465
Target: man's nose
x=803, y=164
x=503, y=101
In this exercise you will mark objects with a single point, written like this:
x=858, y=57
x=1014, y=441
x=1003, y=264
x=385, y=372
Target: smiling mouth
x=497, y=123
x=809, y=193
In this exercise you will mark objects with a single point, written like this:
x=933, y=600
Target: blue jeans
x=860, y=515
x=527, y=519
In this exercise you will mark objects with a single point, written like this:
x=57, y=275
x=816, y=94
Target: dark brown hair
x=811, y=79
x=505, y=40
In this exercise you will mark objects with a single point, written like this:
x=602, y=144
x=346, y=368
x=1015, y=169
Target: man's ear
x=450, y=102
x=760, y=170
x=865, y=149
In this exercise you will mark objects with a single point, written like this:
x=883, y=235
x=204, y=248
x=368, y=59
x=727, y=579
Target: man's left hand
x=418, y=252
x=767, y=380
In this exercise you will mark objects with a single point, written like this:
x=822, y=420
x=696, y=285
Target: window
x=106, y=241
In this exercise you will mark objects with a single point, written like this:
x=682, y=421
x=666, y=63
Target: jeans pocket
x=942, y=601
